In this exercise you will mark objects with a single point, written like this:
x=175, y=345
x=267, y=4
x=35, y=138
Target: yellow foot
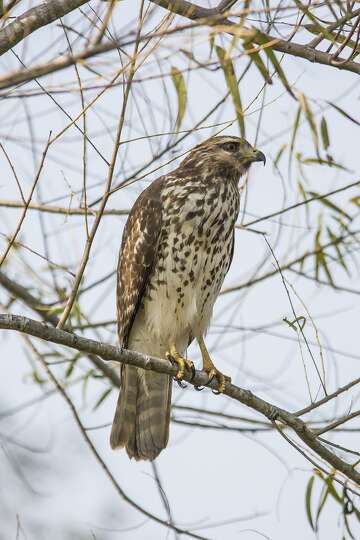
x=182, y=363
x=210, y=369
x=221, y=378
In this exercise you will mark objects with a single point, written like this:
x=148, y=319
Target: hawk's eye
x=231, y=147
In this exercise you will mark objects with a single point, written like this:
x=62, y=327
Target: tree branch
x=193, y=12
x=45, y=313
x=33, y=19
x=123, y=356
x=5, y=203
x=97, y=456
x=181, y=8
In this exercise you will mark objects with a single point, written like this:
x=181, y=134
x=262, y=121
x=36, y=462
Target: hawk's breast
x=194, y=254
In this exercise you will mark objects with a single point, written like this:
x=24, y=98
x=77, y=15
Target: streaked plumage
x=177, y=248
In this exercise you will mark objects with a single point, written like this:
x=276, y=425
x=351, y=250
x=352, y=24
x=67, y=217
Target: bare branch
x=302, y=203
x=61, y=210
x=115, y=354
x=45, y=313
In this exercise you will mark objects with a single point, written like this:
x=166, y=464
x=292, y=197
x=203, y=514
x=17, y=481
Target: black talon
x=274, y=414
x=180, y=383
x=209, y=381
x=216, y=392
x=199, y=388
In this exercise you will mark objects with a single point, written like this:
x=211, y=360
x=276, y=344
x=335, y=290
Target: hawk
x=177, y=247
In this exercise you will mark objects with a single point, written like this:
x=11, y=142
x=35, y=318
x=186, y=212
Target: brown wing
x=137, y=255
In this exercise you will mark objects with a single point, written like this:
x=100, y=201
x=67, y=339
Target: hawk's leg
x=175, y=356
x=209, y=367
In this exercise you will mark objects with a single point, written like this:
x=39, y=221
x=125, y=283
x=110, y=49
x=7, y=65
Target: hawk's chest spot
x=196, y=237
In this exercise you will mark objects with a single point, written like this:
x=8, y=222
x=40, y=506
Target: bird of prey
x=177, y=247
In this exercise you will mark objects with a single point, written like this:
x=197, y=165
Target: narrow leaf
x=310, y=119
x=329, y=204
x=324, y=133
x=356, y=201
x=180, y=87
x=102, y=398
x=344, y=113
x=294, y=132
x=308, y=494
x=257, y=60
x=333, y=238
x=329, y=163
x=262, y=39
x=232, y=85
x=279, y=154
x=322, y=501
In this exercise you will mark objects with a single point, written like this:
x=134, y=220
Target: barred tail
x=142, y=416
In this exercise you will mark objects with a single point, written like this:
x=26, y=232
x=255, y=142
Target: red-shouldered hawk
x=177, y=247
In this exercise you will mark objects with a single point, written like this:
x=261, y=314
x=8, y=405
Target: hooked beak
x=257, y=155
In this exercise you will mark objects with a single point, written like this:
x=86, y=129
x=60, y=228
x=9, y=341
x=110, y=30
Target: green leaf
x=308, y=494
x=344, y=113
x=257, y=60
x=324, y=133
x=86, y=382
x=320, y=257
x=304, y=104
x=279, y=154
x=334, y=238
x=322, y=501
x=102, y=398
x=72, y=365
x=356, y=201
x=329, y=163
x=329, y=204
x=232, y=85
x=294, y=132
x=301, y=321
x=212, y=44
x=329, y=480
x=180, y=87
x=263, y=40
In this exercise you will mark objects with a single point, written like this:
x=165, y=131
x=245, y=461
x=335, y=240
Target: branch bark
x=33, y=19
x=180, y=7
x=45, y=313
x=49, y=209
x=123, y=356
x=193, y=12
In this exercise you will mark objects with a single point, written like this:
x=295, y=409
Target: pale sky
x=224, y=485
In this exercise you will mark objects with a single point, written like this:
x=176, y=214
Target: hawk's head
x=224, y=156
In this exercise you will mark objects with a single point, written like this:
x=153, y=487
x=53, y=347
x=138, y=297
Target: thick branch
x=257, y=37
x=45, y=313
x=108, y=352
x=33, y=19
x=193, y=12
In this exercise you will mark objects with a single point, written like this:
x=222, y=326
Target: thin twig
x=23, y=214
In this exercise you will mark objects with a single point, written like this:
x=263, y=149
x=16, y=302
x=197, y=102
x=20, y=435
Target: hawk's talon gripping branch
x=274, y=414
x=211, y=370
x=221, y=378
x=182, y=364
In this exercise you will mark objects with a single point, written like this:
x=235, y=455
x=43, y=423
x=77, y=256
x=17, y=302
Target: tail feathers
x=142, y=416
x=125, y=413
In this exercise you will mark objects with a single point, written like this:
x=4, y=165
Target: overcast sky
x=219, y=484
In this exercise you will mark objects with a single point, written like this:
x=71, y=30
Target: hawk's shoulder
x=137, y=254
